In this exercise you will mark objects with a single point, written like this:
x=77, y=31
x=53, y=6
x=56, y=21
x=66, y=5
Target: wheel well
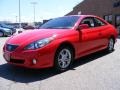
x=68, y=44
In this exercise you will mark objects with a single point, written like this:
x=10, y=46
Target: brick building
x=107, y=9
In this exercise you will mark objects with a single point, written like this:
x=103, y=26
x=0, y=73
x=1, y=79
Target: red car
x=60, y=41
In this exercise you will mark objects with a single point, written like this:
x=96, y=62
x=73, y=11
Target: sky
x=45, y=9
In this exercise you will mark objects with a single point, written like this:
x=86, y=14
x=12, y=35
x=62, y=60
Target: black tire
x=110, y=47
x=57, y=62
x=2, y=34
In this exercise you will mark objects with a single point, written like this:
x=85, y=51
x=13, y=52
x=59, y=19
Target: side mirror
x=83, y=26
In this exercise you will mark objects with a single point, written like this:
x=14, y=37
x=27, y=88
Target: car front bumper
x=30, y=59
x=7, y=33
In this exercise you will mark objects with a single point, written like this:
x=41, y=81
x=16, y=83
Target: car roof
x=84, y=15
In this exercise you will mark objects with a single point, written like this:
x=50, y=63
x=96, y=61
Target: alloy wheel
x=111, y=45
x=64, y=58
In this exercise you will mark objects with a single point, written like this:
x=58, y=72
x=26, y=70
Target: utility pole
x=34, y=7
x=16, y=19
x=19, y=14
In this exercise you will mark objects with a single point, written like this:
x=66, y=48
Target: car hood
x=5, y=29
x=30, y=36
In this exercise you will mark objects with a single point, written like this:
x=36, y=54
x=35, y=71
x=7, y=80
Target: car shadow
x=22, y=75
x=89, y=58
x=118, y=37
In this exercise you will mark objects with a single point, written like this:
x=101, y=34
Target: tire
x=110, y=47
x=1, y=34
x=63, y=59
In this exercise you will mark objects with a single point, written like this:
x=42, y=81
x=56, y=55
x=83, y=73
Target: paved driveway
x=99, y=71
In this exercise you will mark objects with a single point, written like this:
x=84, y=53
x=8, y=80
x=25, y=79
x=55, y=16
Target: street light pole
x=34, y=7
x=19, y=14
x=16, y=19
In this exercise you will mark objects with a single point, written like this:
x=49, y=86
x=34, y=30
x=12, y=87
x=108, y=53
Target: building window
x=108, y=18
x=116, y=4
x=117, y=20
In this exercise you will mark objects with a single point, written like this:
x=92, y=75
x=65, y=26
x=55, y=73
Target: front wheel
x=111, y=43
x=63, y=58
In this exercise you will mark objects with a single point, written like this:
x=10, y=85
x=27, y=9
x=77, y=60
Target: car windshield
x=61, y=23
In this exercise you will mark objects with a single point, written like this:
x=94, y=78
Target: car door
x=103, y=31
x=89, y=38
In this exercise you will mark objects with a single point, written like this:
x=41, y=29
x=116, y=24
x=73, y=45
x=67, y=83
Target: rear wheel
x=1, y=34
x=111, y=43
x=63, y=58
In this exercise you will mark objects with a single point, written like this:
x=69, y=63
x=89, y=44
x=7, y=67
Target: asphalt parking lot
x=99, y=71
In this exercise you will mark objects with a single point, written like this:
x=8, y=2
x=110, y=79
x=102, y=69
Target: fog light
x=34, y=61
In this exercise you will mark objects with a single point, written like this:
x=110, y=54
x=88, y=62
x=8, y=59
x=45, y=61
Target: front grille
x=17, y=61
x=10, y=47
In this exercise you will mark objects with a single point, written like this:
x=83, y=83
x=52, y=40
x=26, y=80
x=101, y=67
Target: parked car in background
x=60, y=41
x=9, y=27
x=5, y=32
x=28, y=27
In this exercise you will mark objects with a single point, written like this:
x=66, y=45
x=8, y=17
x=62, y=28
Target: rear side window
x=98, y=22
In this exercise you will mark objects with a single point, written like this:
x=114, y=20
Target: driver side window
x=88, y=21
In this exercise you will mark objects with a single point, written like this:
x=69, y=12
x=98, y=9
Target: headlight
x=40, y=43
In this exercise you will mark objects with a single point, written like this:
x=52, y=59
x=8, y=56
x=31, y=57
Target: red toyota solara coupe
x=60, y=41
